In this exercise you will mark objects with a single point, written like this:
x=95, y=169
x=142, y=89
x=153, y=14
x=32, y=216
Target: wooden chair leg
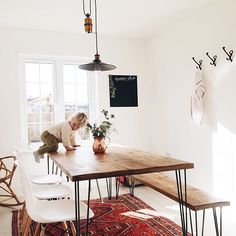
x=25, y=217
x=37, y=230
x=27, y=227
x=22, y=218
x=43, y=228
x=73, y=229
x=65, y=227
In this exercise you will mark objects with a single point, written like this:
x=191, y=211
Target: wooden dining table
x=82, y=164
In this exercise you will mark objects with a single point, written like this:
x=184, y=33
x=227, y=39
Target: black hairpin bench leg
x=182, y=197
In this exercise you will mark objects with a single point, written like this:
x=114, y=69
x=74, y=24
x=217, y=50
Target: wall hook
x=199, y=65
x=212, y=59
x=229, y=54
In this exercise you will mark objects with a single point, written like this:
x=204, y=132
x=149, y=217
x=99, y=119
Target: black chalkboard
x=123, y=90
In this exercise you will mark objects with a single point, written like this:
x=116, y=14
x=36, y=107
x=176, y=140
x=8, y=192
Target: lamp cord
x=87, y=14
x=96, y=31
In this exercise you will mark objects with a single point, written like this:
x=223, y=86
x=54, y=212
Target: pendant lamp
x=96, y=64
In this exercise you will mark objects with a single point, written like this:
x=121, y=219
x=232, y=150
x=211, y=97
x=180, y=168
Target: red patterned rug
x=125, y=216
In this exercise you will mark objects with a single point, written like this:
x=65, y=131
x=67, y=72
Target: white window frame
x=58, y=62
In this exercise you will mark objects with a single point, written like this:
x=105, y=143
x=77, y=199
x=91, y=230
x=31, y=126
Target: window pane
x=39, y=94
x=34, y=133
x=32, y=91
x=46, y=126
x=68, y=114
x=75, y=90
x=84, y=109
x=33, y=117
x=46, y=73
x=69, y=73
x=47, y=117
x=47, y=108
x=46, y=93
x=69, y=93
x=32, y=107
x=31, y=72
x=82, y=94
x=69, y=110
x=82, y=77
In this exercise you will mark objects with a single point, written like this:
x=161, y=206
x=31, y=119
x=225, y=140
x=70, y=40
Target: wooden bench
x=196, y=199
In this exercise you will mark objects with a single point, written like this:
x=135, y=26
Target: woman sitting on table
x=64, y=133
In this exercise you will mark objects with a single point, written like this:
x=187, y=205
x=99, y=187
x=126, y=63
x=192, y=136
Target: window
x=54, y=90
x=75, y=90
x=39, y=97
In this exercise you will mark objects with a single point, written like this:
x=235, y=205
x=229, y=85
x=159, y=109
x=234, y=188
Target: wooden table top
x=83, y=164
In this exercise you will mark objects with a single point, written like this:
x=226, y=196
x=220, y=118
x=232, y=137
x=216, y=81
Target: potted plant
x=101, y=131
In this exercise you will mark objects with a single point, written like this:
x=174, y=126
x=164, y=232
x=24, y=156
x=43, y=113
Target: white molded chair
x=40, y=179
x=45, y=187
x=55, y=191
x=46, y=179
x=45, y=212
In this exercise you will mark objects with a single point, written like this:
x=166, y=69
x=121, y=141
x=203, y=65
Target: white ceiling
x=131, y=18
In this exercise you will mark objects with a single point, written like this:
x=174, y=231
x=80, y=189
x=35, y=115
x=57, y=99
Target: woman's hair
x=79, y=117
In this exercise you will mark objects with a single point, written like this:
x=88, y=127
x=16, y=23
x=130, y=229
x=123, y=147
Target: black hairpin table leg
x=117, y=187
x=182, y=196
x=48, y=163
x=109, y=187
x=77, y=209
x=88, y=203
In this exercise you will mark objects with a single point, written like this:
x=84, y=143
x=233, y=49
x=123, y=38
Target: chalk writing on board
x=123, y=90
x=128, y=78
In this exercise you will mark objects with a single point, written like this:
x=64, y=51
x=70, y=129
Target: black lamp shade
x=97, y=65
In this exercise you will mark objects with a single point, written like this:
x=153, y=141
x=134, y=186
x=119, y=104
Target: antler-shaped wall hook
x=229, y=54
x=199, y=65
x=212, y=59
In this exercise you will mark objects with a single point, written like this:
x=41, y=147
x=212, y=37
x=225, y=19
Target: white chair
x=45, y=187
x=48, y=192
x=46, y=179
x=40, y=179
x=45, y=212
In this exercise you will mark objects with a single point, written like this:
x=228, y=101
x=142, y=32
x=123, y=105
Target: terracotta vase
x=100, y=145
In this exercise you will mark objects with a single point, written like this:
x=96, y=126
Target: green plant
x=104, y=128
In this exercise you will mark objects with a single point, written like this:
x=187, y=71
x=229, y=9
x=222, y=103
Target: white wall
x=210, y=146
x=128, y=55
x=165, y=70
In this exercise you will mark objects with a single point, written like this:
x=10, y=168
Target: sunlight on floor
x=138, y=215
x=148, y=214
x=155, y=213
